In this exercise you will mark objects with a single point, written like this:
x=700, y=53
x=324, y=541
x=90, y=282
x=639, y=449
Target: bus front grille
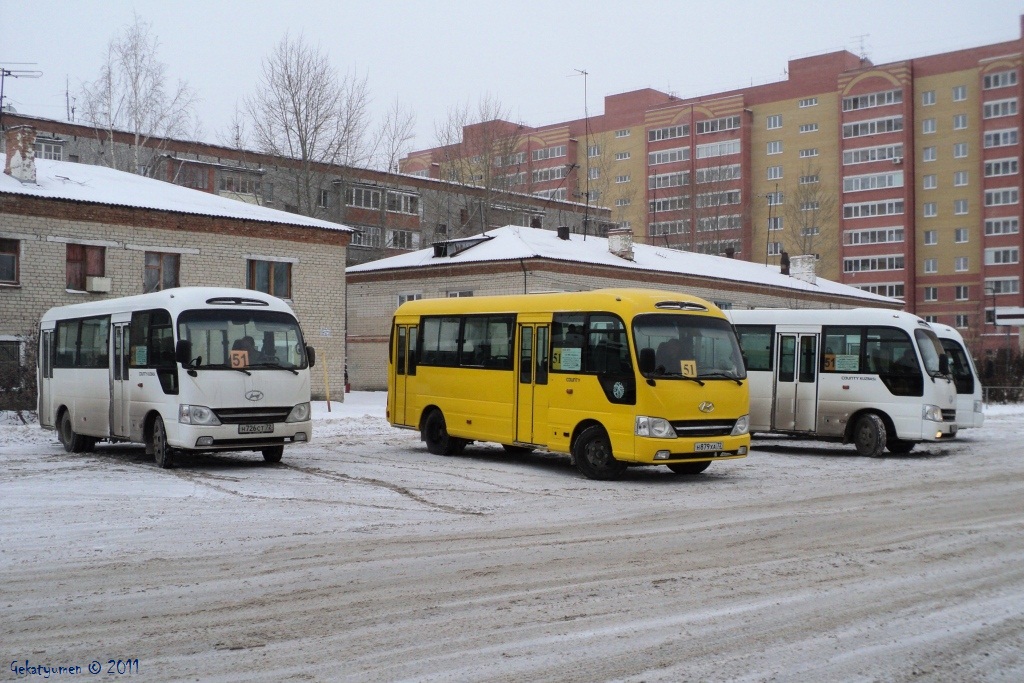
x=949, y=414
x=701, y=428
x=238, y=416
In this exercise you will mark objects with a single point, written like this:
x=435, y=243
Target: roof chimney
x=20, y=142
x=620, y=242
x=803, y=268
x=563, y=232
x=784, y=263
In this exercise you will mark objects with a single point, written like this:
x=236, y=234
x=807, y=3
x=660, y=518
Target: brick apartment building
x=903, y=178
x=72, y=233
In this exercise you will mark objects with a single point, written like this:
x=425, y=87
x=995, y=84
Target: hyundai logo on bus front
x=706, y=406
x=254, y=396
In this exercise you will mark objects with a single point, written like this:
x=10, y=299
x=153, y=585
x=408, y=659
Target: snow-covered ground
x=363, y=557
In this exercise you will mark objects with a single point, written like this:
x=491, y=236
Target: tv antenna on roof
x=861, y=40
x=6, y=72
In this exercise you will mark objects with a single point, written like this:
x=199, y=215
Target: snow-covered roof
x=513, y=242
x=100, y=185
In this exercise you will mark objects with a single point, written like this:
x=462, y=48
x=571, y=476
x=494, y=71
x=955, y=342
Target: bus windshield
x=677, y=345
x=931, y=349
x=223, y=339
x=959, y=366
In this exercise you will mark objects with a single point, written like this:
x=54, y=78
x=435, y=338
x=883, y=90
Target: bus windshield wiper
x=274, y=366
x=659, y=372
x=724, y=375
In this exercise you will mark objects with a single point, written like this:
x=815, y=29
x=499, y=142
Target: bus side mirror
x=944, y=364
x=183, y=352
x=646, y=361
x=311, y=355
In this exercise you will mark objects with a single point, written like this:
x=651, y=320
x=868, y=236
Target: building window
x=160, y=272
x=84, y=261
x=959, y=207
x=622, y=133
x=811, y=152
x=868, y=154
x=1002, y=196
x=403, y=239
x=810, y=179
x=775, y=223
x=270, y=277
x=931, y=265
x=931, y=238
x=775, y=147
x=930, y=154
x=875, y=99
x=594, y=151
x=49, y=149
x=460, y=294
x=959, y=178
x=409, y=296
x=960, y=122
x=238, y=183
x=960, y=235
x=1001, y=226
x=962, y=293
x=1000, y=138
x=549, y=153
x=928, y=126
x=931, y=293
x=370, y=236
x=594, y=173
x=999, y=109
x=872, y=263
x=10, y=259
x=362, y=197
x=808, y=102
x=774, y=121
x=719, y=149
x=931, y=209
x=1002, y=285
x=716, y=125
x=774, y=248
x=960, y=264
x=873, y=236
x=928, y=98
x=998, y=167
x=931, y=181
x=623, y=201
x=668, y=133
x=960, y=150
x=890, y=124
x=621, y=156
x=774, y=172
x=962, y=320
x=1000, y=79
x=869, y=209
x=872, y=181
x=668, y=156
x=808, y=127
x=622, y=178
x=959, y=93
x=1002, y=256
x=775, y=198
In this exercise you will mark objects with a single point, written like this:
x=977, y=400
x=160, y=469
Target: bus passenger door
x=46, y=416
x=532, y=391
x=120, y=393
x=796, y=383
x=404, y=367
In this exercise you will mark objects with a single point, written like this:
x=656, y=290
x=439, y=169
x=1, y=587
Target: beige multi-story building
x=71, y=233
x=902, y=179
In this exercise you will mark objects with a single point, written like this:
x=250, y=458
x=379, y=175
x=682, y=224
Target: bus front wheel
x=273, y=453
x=593, y=455
x=161, y=451
x=72, y=442
x=869, y=435
x=438, y=440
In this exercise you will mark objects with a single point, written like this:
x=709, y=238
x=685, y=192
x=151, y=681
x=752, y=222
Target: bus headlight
x=933, y=413
x=655, y=427
x=741, y=426
x=300, y=413
x=197, y=415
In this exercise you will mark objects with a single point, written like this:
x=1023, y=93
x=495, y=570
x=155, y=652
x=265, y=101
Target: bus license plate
x=256, y=429
x=707, y=446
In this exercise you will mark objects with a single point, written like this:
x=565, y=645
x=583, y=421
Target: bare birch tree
x=302, y=111
x=811, y=217
x=132, y=94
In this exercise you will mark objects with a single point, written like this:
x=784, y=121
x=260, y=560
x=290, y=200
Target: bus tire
x=72, y=442
x=593, y=455
x=689, y=467
x=161, y=451
x=438, y=440
x=869, y=435
x=516, y=450
x=899, y=446
x=273, y=453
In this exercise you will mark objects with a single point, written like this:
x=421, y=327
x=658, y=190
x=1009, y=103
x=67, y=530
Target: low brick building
x=518, y=260
x=71, y=233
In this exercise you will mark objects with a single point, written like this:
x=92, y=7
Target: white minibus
x=874, y=377
x=184, y=369
x=969, y=405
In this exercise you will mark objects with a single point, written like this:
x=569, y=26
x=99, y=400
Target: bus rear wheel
x=689, y=467
x=593, y=455
x=438, y=440
x=869, y=435
x=72, y=442
x=273, y=453
x=162, y=453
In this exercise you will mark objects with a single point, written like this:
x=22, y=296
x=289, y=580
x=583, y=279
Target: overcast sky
x=432, y=55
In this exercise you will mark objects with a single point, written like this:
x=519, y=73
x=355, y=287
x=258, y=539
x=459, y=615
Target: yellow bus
x=613, y=377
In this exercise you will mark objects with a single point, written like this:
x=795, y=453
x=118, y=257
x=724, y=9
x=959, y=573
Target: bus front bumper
x=232, y=437
x=652, y=451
